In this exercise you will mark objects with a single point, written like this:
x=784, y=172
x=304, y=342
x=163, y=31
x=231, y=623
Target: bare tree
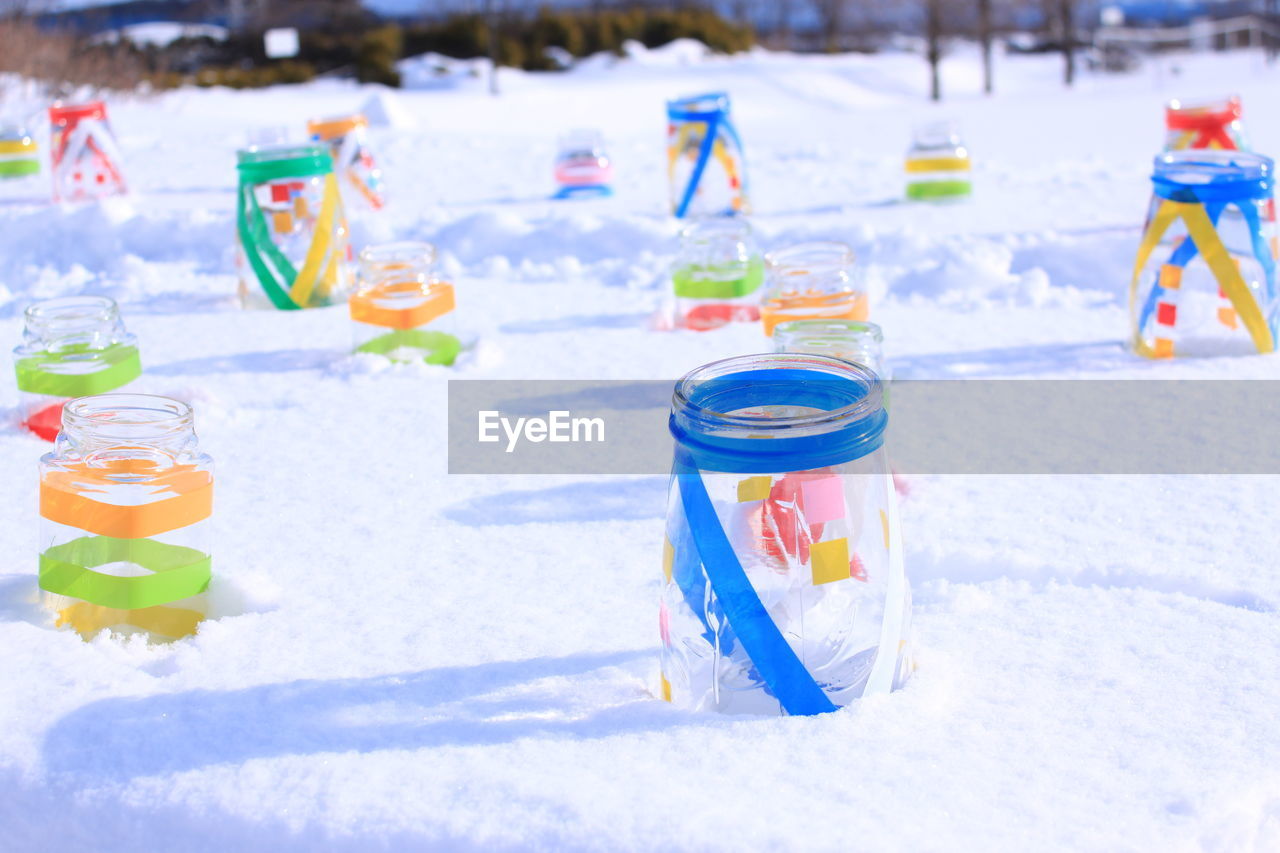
x=831, y=15
x=933, y=46
x=1066, y=13
x=984, y=36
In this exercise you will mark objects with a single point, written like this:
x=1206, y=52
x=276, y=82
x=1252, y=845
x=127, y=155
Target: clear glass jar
x=400, y=309
x=706, y=169
x=1204, y=281
x=717, y=276
x=784, y=588
x=292, y=239
x=353, y=160
x=852, y=340
x=938, y=164
x=85, y=159
x=72, y=346
x=125, y=501
x=812, y=281
x=583, y=167
x=1204, y=124
x=19, y=153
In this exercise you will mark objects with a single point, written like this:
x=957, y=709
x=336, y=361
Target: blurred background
x=161, y=44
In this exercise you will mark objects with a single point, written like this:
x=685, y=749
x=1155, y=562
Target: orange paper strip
x=64, y=499
x=437, y=301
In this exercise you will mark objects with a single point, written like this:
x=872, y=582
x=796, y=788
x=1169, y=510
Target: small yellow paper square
x=884, y=527
x=666, y=689
x=754, y=488
x=300, y=207
x=830, y=561
x=282, y=222
x=668, y=558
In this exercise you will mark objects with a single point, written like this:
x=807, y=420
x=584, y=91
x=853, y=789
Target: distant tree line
x=343, y=37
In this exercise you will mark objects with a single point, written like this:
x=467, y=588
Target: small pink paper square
x=823, y=499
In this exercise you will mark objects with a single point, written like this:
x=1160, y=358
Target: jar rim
x=1206, y=173
x=400, y=250
x=849, y=421
x=105, y=413
x=693, y=105
x=863, y=391
x=1227, y=104
x=812, y=253
x=280, y=151
x=47, y=310
x=708, y=226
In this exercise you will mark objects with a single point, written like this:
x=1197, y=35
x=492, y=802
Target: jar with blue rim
x=784, y=590
x=1204, y=280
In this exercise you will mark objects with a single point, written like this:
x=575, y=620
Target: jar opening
x=71, y=312
x=810, y=257
x=941, y=134
x=126, y=417
x=1229, y=106
x=405, y=253
x=776, y=412
x=716, y=228
x=777, y=394
x=281, y=151
x=710, y=102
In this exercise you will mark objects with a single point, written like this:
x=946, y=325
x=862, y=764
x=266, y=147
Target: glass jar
x=938, y=164
x=1204, y=281
x=706, y=170
x=125, y=500
x=811, y=281
x=717, y=276
x=1204, y=124
x=292, y=246
x=583, y=168
x=400, y=309
x=784, y=589
x=353, y=160
x=852, y=340
x=72, y=346
x=85, y=159
x=19, y=153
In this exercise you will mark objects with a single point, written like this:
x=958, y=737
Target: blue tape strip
x=1217, y=191
x=1261, y=250
x=700, y=166
x=583, y=191
x=779, y=668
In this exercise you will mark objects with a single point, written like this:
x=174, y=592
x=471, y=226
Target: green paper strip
x=18, y=168
x=123, y=365
x=437, y=347
x=179, y=572
x=260, y=172
x=928, y=190
x=255, y=239
x=688, y=287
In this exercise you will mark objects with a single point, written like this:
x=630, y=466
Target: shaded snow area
x=404, y=660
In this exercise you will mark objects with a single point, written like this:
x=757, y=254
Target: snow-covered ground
x=406, y=660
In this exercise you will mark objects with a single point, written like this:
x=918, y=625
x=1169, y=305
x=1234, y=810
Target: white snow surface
x=405, y=660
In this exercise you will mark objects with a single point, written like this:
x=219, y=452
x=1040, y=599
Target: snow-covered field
x=406, y=660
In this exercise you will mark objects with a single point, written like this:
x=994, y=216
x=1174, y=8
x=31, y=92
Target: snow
x=162, y=33
x=406, y=660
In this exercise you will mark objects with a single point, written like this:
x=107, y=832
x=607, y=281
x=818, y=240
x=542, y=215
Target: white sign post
x=281, y=43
